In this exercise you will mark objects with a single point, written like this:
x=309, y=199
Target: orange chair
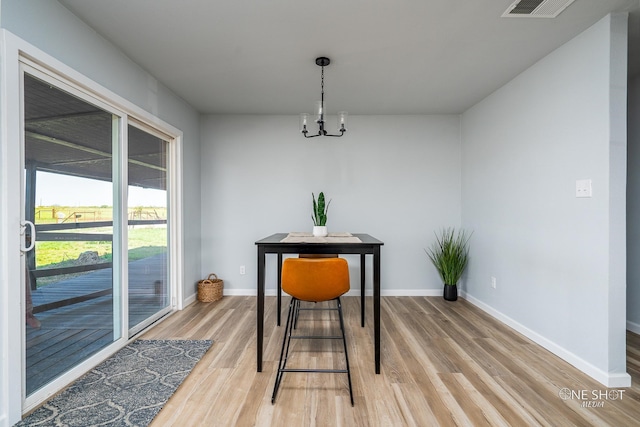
x=314, y=280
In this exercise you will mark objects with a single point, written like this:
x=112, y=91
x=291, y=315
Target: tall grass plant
x=450, y=254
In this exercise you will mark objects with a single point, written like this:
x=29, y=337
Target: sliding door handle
x=23, y=230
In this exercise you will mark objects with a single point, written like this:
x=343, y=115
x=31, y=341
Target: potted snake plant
x=319, y=215
x=450, y=254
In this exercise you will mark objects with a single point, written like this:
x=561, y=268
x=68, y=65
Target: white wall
x=633, y=208
x=394, y=177
x=52, y=29
x=559, y=260
x=81, y=48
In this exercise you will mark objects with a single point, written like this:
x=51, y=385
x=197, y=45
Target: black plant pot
x=450, y=292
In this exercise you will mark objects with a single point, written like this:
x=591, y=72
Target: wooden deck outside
x=70, y=334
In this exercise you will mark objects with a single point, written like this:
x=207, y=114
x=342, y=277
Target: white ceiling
x=388, y=56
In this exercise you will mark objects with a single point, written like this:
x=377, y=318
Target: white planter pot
x=320, y=231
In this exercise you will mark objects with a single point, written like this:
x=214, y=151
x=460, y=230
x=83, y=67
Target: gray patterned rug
x=128, y=389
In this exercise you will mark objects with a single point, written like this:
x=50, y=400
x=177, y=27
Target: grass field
x=143, y=241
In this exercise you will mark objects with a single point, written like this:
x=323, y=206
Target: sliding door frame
x=14, y=52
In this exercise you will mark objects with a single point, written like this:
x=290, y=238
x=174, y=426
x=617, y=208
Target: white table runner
x=304, y=237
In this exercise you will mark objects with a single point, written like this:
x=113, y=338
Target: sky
x=61, y=190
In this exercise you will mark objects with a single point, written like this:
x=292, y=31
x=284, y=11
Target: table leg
x=362, y=269
x=376, y=305
x=279, y=287
x=260, y=308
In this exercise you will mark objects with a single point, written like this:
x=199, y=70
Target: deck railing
x=54, y=233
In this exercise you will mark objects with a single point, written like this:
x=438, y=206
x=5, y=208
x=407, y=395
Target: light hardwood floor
x=443, y=364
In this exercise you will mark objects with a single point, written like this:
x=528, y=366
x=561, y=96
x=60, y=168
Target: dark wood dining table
x=278, y=244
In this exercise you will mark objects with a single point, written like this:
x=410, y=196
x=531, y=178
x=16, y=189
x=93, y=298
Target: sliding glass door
x=96, y=192
x=71, y=312
x=148, y=235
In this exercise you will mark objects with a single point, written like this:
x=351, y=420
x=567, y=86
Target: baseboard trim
x=633, y=327
x=188, y=301
x=352, y=292
x=605, y=378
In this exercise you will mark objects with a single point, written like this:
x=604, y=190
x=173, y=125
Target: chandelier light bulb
x=304, y=119
x=320, y=111
x=342, y=120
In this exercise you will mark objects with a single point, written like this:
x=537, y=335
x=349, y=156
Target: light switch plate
x=583, y=188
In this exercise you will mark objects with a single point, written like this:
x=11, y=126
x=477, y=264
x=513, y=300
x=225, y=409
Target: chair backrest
x=315, y=279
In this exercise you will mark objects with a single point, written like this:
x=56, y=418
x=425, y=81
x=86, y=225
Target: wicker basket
x=210, y=289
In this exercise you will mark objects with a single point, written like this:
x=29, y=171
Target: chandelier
x=320, y=113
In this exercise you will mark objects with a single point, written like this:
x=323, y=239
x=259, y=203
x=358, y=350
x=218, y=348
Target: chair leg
x=292, y=317
x=284, y=352
x=297, y=309
x=344, y=341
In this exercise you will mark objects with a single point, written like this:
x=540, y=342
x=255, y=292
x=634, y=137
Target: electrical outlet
x=583, y=188
x=242, y=269
x=494, y=282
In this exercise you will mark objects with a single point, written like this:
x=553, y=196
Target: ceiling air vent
x=536, y=8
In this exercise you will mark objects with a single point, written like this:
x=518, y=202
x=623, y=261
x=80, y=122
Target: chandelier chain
x=322, y=88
